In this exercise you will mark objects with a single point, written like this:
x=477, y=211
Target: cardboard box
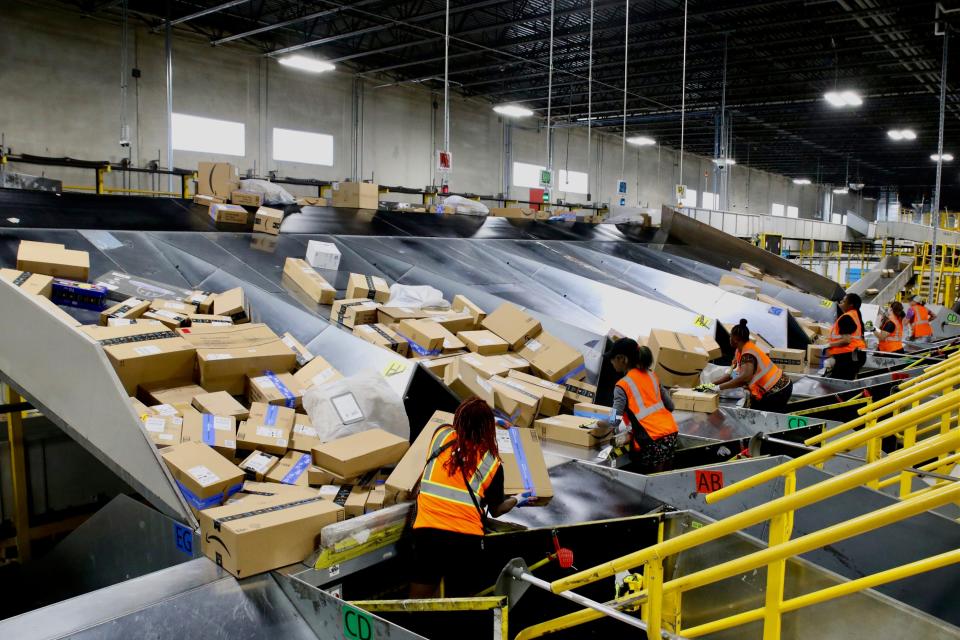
x=308, y=201
x=268, y=433
x=739, y=283
x=232, y=303
x=275, y=388
x=590, y=410
x=323, y=255
x=463, y=303
x=178, y=306
x=291, y=469
x=220, y=403
x=552, y=358
x=206, y=318
x=303, y=354
x=466, y=380
x=176, y=394
x=810, y=328
x=169, y=319
x=317, y=371
x=317, y=477
x=513, y=325
x=32, y=283
x=752, y=270
x=551, y=393
x=520, y=449
x=394, y=315
x=679, y=358
x=267, y=220
x=356, y=502
x=515, y=402
x=360, y=452
x=165, y=410
x=576, y=391
x=246, y=198
x=376, y=500
x=141, y=409
x=425, y=336
x=206, y=201
x=129, y=309
x=261, y=533
x=351, y=312
x=690, y=400
x=817, y=355
x=712, y=347
x=773, y=302
x=506, y=362
x=516, y=213
x=410, y=467
x=228, y=213
x=438, y=366
x=217, y=179
x=205, y=477
x=164, y=431
x=369, y=287
x=304, y=437
x=790, y=360
x=53, y=260
x=227, y=355
x=382, y=336
x=356, y=195
x=143, y=354
x=258, y=464
x=484, y=342
x=451, y=343
x=312, y=283
x=202, y=300
x=218, y=432
x=583, y=432
x=453, y=321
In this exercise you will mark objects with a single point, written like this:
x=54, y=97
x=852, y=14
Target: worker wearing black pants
x=776, y=401
x=847, y=365
x=846, y=340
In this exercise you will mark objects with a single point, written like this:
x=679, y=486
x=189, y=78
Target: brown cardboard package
x=810, y=328
x=382, y=336
x=393, y=315
x=524, y=468
x=512, y=324
x=142, y=354
x=53, y=260
x=425, y=336
x=228, y=213
x=369, y=287
x=356, y=195
x=220, y=403
x=438, y=366
x=164, y=431
x=232, y=303
x=178, y=306
x=246, y=198
x=516, y=403
x=790, y=360
x=205, y=477
x=463, y=303
x=578, y=391
x=227, y=355
x=291, y=469
x=740, y=283
x=451, y=343
x=317, y=477
x=360, y=452
x=304, y=437
x=467, y=378
x=308, y=201
x=376, y=500
x=312, y=283
x=513, y=212
x=267, y=220
x=484, y=342
x=303, y=354
x=129, y=309
x=206, y=201
x=219, y=432
x=217, y=179
x=353, y=311
x=272, y=415
x=817, y=355
x=583, y=432
x=258, y=464
x=752, y=270
x=408, y=471
x=553, y=359
x=591, y=410
x=680, y=358
x=141, y=409
x=551, y=394
x=275, y=388
x=317, y=371
x=202, y=299
x=178, y=395
x=32, y=283
x=453, y=321
x=356, y=503
x=711, y=346
x=690, y=400
x=508, y=362
x=260, y=533
x=263, y=436
x=169, y=319
x=206, y=318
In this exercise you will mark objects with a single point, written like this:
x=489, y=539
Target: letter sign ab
x=709, y=481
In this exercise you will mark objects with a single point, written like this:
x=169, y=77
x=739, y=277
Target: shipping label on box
x=219, y=432
x=129, y=309
x=304, y=437
x=513, y=325
x=275, y=388
x=312, y=283
x=553, y=359
x=246, y=198
x=164, y=431
x=205, y=477
x=317, y=371
x=369, y=287
x=351, y=312
x=258, y=464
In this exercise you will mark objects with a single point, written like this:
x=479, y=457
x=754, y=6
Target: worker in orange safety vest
x=770, y=388
x=846, y=340
x=890, y=332
x=919, y=319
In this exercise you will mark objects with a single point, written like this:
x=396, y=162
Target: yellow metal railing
x=661, y=597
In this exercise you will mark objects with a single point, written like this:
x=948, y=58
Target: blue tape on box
x=297, y=470
x=209, y=436
x=270, y=419
x=289, y=400
x=521, y=458
x=197, y=502
x=575, y=372
x=580, y=413
x=418, y=349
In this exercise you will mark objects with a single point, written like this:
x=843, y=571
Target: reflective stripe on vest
x=428, y=486
x=655, y=418
x=766, y=375
x=921, y=321
x=894, y=341
x=644, y=410
x=856, y=341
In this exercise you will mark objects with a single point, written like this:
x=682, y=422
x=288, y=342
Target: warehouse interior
x=261, y=259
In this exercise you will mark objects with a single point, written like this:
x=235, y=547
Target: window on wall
x=793, y=212
x=777, y=210
x=573, y=182
x=208, y=135
x=711, y=200
x=690, y=200
x=527, y=175
x=837, y=218
x=305, y=147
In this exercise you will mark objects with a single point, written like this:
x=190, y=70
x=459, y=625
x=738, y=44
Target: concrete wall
x=61, y=97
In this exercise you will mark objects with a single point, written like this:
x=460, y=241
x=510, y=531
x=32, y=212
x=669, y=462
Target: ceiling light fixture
x=840, y=191
x=801, y=181
x=724, y=162
x=947, y=157
x=513, y=110
x=902, y=134
x=642, y=141
x=841, y=99
x=306, y=63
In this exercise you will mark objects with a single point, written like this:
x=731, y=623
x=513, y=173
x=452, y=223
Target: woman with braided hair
x=461, y=482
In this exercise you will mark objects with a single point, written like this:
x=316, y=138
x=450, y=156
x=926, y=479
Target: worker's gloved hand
x=622, y=437
x=707, y=387
x=525, y=498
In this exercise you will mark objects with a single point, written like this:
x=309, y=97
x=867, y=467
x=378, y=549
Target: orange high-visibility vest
x=646, y=404
x=854, y=344
x=766, y=375
x=894, y=341
x=921, y=321
x=444, y=501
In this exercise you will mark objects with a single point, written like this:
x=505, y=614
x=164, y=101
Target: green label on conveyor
x=357, y=624
x=795, y=422
x=953, y=318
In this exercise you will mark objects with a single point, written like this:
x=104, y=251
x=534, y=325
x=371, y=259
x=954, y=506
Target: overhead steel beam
x=199, y=14
x=286, y=23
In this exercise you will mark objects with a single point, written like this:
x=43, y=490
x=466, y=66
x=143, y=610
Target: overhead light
x=801, y=181
x=724, y=162
x=642, y=141
x=846, y=98
x=947, y=157
x=840, y=191
x=513, y=110
x=306, y=63
x=902, y=134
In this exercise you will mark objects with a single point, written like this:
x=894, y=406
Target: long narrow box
x=312, y=283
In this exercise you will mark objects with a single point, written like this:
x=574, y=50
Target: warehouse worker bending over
x=846, y=340
x=770, y=389
x=919, y=318
x=890, y=332
x=642, y=403
x=462, y=480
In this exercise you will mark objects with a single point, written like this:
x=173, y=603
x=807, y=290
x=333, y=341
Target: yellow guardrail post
x=780, y=529
x=101, y=172
x=653, y=584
